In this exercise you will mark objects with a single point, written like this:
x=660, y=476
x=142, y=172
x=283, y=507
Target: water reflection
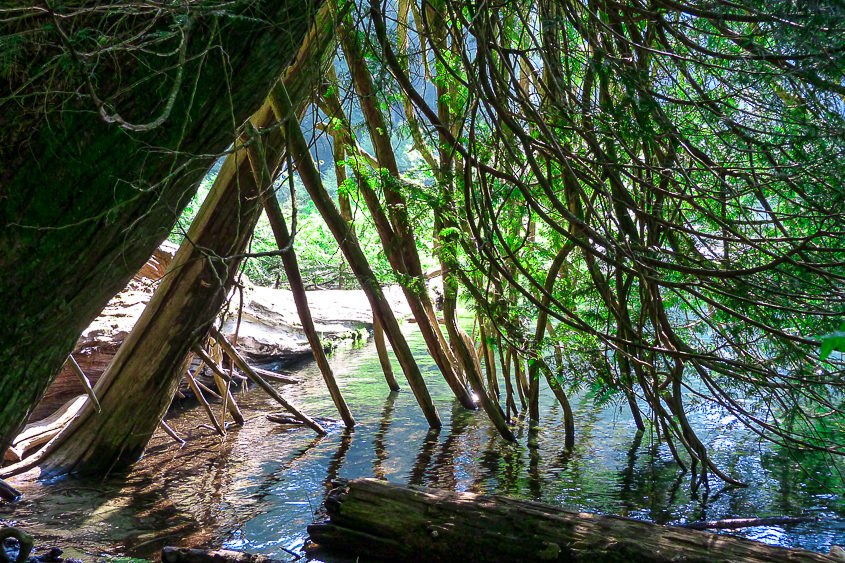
x=258, y=488
x=424, y=457
x=336, y=462
x=378, y=441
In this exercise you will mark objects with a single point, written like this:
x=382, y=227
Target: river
x=260, y=486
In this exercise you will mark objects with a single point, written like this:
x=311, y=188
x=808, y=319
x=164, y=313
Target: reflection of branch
x=733, y=523
x=101, y=105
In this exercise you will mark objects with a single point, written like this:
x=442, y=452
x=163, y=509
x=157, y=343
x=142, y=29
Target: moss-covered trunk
x=83, y=202
x=139, y=384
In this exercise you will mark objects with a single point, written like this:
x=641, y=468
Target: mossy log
x=392, y=522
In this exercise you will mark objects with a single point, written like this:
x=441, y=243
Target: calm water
x=258, y=488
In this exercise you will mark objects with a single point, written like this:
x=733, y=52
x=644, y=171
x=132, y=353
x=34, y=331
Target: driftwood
x=250, y=373
x=43, y=431
x=184, y=555
x=83, y=379
x=290, y=419
x=273, y=376
x=172, y=433
x=397, y=523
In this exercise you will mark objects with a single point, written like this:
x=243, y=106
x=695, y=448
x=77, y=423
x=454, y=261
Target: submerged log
x=273, y=376
x=734, y=523
x=393, y=522
x=8, y=492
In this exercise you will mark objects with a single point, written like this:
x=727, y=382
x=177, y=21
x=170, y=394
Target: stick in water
x=250, y=373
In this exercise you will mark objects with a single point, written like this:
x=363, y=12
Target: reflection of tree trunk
x=423, y=461
x=333, y=469
x=140, y=382
x=84, y=203
x=378, y=440
x=444, y=463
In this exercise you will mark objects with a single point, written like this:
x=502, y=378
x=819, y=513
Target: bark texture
x=392, y=522
x=140, y=382
x=83, y=203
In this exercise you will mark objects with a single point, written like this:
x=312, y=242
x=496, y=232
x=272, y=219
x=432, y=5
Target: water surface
x=258, y=488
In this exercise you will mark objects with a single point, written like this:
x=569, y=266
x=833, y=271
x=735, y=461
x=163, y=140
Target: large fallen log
x=392, y=522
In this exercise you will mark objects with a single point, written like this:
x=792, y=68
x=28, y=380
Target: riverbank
x=266, y=324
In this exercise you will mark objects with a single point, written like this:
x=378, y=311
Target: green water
x=258, y=488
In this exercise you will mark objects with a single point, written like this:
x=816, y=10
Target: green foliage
x=834, y=341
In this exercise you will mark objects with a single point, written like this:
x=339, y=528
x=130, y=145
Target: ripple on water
x=258, y=488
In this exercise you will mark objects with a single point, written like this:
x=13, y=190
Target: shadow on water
x=260, y=486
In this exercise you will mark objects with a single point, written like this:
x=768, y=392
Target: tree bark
x=83, y=203
x=397, y=236
x=352, y=251
x=392, y=522
x=297, y=288
x=139, y=384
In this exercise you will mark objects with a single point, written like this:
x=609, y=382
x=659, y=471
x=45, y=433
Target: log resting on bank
x=392, y=522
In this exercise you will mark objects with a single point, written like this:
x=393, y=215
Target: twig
x=85, y=382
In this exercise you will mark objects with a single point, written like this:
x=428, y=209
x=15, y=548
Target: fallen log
x=42, y=431
x=393, y=522
x=273, y=376
x=184, y=555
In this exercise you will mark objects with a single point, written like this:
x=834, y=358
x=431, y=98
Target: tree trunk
x=398, y=237
x=297, y=288
x=392, y=522
x=83, y=203
x=348, y=243
x=139, y=384
x=390, y=235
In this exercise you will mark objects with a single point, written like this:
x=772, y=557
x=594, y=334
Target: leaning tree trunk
x=84, y=202
x=390, y=522
x=395, y=230
x=139, y=384
x=343, y=234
